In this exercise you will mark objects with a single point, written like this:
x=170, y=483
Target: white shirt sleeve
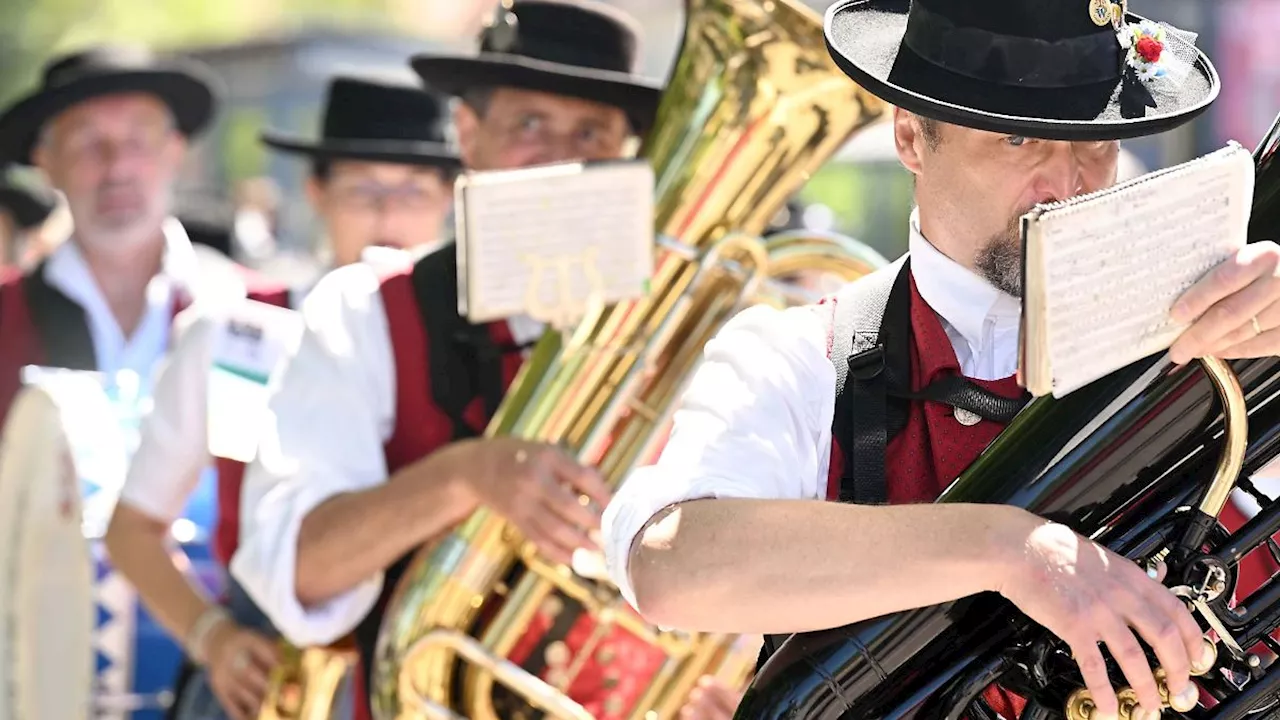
x=332, y=412
x=173, y=448
x=755, y=422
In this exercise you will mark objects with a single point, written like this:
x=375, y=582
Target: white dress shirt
x=755, y=421
x=67, y=271
x=333, y=411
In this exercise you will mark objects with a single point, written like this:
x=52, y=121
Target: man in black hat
x=380, y=179
x=24, y=206
x=1000, y=107
x=356, y=477
x=109, y=128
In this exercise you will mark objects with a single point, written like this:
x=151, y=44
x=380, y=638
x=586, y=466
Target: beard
x=999, y=261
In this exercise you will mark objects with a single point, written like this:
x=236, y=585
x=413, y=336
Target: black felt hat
x=185, y=87
x=27, y=201
x=580, y=49
x=1055, y=70
x=377, y=121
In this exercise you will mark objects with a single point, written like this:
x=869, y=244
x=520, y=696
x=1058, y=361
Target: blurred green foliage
x=33, y=30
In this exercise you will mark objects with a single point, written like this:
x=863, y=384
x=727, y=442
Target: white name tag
x=250, y=347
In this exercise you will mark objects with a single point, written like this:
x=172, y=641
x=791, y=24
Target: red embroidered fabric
x=933, y=447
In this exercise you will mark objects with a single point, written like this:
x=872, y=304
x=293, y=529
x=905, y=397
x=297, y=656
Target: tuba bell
x=1142, y=461
x=753, y=107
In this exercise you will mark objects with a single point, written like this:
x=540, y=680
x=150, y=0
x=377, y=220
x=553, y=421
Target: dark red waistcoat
x=933, y=448
x=22, y=343
x=421, y=427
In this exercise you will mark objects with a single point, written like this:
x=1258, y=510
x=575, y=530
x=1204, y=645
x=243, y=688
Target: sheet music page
x=548, y=241
x=1115, y=262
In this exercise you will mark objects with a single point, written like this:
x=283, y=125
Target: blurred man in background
x=381, y=180
x=109, y=128
x=24, y=209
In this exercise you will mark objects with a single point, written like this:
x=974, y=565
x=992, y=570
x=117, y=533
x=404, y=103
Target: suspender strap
x=869, y=350
x=463, y=360
x=60, y=323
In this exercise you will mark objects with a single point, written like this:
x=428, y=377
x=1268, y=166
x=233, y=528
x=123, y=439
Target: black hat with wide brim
x=376, y=121
x=186, y=88
x=1052, y=70
x=582, y=50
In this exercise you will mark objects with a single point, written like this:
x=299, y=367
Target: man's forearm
x=776, y=566
x=136, y=545
x=350, y=537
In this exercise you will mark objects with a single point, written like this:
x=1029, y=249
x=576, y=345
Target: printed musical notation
x=1105, y=272
x=547, y=243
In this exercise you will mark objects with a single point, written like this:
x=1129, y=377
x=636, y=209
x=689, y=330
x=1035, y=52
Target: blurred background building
x=276, y=55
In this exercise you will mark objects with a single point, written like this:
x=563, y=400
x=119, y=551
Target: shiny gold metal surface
x=305, y=684
x=754, y=106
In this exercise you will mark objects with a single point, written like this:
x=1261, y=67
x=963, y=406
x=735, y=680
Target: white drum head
x=46, y=568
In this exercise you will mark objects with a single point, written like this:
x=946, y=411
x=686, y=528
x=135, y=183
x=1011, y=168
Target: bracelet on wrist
x=198, y=639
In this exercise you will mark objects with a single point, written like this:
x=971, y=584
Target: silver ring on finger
x=239, y=661
x=1257, y=328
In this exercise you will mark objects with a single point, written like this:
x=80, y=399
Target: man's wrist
x=202, y=630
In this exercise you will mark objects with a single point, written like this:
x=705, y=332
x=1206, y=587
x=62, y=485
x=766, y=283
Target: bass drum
x=46, y=568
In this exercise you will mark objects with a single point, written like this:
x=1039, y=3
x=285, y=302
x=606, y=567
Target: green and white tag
x=249, y=349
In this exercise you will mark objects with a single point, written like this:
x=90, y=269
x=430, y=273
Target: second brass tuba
x=753, y=107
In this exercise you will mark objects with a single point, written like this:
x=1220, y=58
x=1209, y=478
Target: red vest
x=933, y=448
x=22, y=346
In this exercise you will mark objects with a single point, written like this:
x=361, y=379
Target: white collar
x=963, y=298
x=68, y=271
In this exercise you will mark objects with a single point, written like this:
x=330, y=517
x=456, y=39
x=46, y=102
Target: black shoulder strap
x=60, y=323
x=870, y=352
x=463, y=360
x=864, y=365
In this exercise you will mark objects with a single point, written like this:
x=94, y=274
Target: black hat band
x=569, y=51
x=1012, y=60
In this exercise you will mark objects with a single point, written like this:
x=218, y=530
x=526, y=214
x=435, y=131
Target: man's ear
x=908, y=139
x=315, y=194
x=466, y=124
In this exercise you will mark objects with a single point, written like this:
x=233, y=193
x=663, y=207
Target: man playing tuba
x=997, y=110
x=375, y=449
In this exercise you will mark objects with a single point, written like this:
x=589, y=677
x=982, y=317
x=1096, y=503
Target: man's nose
x=1059, y=175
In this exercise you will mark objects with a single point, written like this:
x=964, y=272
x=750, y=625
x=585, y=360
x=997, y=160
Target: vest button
x=967, y=418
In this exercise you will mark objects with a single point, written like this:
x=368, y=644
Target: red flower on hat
x=1149, y=48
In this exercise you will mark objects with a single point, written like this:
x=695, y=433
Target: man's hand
x=537, y=487
x=1087, y=595
x=710, y=700
x=1234, y=310
x=239, y=666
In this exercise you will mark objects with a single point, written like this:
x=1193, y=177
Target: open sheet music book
x=549, y=241
x=1102, y=271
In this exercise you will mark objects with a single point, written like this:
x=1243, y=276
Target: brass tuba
x=754, y=106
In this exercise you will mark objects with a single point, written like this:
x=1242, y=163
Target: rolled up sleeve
x=172, y=451
x=755, y=422
x=330, y=417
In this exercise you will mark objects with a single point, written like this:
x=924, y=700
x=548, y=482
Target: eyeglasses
x=373, y=196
